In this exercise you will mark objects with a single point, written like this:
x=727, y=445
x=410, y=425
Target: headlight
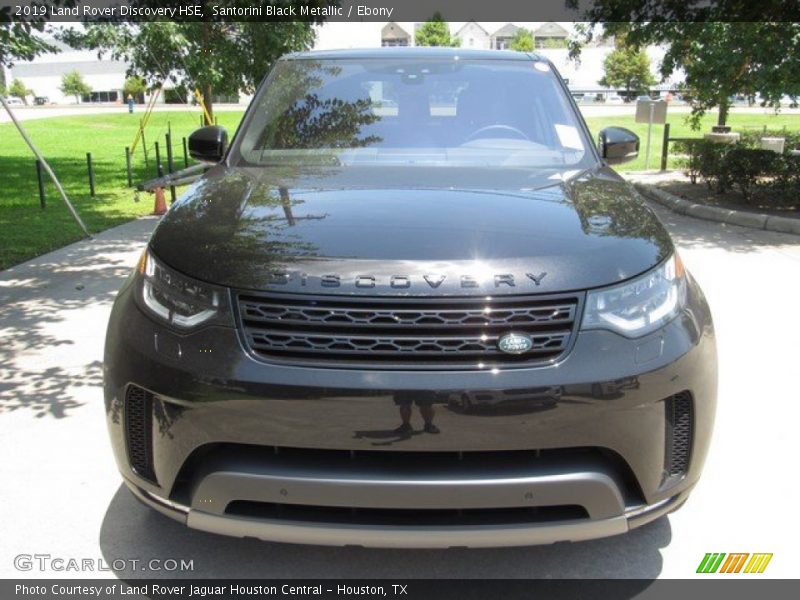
x=640, y=306
x=177, y=299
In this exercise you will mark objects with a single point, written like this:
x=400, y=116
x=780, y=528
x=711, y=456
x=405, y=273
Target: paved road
x=61, y=494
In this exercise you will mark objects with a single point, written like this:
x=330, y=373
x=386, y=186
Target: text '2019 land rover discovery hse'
x=411, y=305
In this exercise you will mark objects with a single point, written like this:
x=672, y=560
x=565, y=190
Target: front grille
x=405, y=332
x=139, y=431
x=679, y=420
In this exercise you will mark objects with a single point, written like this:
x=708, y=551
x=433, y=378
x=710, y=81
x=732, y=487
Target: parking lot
x=61, y=494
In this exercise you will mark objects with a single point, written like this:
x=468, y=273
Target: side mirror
x=618, y=145
x=208, y=144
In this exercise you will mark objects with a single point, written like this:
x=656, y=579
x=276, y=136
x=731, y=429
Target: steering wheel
x=506, y=128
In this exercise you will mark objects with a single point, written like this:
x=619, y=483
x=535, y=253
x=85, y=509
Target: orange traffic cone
x=160, y=207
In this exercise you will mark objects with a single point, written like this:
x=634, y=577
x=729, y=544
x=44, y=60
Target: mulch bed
x=760, y=203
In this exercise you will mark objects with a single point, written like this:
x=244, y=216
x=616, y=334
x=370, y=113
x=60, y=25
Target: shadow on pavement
x=49, y=313
x=131, y=530
x=694, y=233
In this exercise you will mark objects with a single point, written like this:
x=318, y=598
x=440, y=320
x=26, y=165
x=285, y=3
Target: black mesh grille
x=679, y=419
x=139, y=431
x=403, y=332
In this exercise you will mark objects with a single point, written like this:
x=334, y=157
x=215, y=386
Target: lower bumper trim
x=371, y=536
x=483, y=536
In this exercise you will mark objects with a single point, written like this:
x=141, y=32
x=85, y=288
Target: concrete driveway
x=61, y=495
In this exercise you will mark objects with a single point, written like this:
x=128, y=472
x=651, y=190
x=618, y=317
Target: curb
x=722, y=215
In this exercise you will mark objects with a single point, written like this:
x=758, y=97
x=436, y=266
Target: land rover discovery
x=411, y=304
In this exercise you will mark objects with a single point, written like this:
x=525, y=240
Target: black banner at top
x=398, y=10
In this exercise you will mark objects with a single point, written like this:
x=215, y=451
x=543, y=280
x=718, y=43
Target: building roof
x=467, y=24
x=507, y=30
x=415, y=52
x=551, y=30
x=393, y=31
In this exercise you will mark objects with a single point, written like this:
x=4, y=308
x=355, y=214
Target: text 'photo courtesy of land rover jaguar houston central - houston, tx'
x=411, y=305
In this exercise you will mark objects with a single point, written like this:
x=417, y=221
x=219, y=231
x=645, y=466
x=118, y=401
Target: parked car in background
x=790, y=101
x=41, y=100
x=14, y=101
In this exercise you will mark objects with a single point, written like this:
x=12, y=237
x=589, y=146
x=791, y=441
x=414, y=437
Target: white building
x=43, y=75
x=472, y=35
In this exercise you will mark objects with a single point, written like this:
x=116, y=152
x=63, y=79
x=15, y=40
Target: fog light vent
x=139, y=431
x=679, y=419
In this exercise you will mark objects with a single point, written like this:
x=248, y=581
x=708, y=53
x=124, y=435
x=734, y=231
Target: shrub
x=688, y=159
x=751, y=138
x=702, y=158
x=745, y=167
x=787, y=179
x=711, y=165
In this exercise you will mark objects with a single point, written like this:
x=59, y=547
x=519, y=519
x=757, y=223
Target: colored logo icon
x=742, y=562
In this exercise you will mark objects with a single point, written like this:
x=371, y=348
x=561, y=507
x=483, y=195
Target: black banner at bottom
x=409, y=589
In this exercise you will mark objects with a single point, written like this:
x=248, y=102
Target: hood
x=347, y=231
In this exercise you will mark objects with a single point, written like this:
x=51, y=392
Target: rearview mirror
x=618, y=145
x=208, y=144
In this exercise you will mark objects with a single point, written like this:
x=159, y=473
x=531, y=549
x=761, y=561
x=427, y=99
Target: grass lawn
x=679, y=128
x=28, y=231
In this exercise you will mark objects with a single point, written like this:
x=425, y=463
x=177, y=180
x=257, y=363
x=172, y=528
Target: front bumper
x=589, y=433
x=403, y=536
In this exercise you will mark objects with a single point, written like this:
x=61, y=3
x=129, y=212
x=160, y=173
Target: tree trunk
x=208, y=88
x=208, y=100
x=724, y=107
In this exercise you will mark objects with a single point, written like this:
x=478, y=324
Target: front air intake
x=679, y=433
x=139, y=431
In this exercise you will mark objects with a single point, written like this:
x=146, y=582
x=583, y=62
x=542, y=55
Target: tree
x=134, y=86
x=553, y=42
x=754, y=52
x=72, y=84
x=435, y=32
x=522, y=40
x=214, y=56
x=627, y=68
x=18, y=90
x=19, y=36
x=336, y=123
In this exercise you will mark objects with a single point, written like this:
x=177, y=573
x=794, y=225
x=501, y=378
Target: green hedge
x=744, y=166
x=751, y=138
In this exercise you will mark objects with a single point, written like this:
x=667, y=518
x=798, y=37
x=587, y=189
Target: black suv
x=411, y=305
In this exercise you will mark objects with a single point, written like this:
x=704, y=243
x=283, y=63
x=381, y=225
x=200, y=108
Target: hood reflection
x=239, y=227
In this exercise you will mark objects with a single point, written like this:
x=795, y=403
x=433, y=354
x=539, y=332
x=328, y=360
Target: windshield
x=421, y=112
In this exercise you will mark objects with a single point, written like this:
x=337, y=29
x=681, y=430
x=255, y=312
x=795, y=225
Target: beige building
x=473, y=35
